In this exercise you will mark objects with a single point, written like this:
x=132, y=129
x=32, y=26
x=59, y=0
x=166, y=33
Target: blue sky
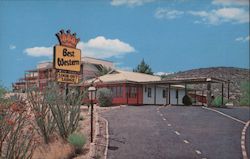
x=170, y=35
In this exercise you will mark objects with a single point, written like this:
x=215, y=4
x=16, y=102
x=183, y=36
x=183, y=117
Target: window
x=116, y=91
x=132, y=92
x=119, y=91
x=163, y=93
x=113, y=89
x=149, y=92
x=146, y=89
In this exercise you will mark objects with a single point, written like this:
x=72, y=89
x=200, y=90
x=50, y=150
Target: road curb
x=243, y=140
x=107, y=138
x=96, y=129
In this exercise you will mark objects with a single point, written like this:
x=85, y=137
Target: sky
x=170, y=35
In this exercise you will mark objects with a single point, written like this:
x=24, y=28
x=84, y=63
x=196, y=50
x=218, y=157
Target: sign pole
x=91, y=120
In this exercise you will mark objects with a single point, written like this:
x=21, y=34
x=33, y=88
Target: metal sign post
x=91, y=97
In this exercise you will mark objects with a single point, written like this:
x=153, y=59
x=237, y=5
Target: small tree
x=143, y=68
x=104, y=97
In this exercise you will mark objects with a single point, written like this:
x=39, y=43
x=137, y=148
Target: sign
x=67, y=58
x=67, y=77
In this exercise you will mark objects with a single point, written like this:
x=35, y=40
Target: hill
x=235, y=75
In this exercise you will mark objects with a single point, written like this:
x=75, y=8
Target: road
x=153, y=132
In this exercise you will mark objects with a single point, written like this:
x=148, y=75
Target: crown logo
x=66, y=39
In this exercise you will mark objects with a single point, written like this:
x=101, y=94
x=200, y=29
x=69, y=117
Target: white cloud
x=99, y=47
x=12, y=47
x=242, y=39
x=231, y=2
x=39, y=51
x=130, y=3
x=215, y=17
x=165, y=13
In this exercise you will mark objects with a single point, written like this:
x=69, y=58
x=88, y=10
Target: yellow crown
x=66, y=39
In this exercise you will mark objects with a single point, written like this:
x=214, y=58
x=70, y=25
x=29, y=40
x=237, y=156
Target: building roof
x=196, y=80
x=117, y=76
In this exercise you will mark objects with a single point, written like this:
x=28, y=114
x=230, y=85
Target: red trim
x=126, y=98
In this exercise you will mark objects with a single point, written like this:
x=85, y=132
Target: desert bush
x=218, y=101
x=17, y=136
x=44, y=119
x=77, y=141
x=245, y=91
x=65, y=109
x=104, y=97
x=186, y=100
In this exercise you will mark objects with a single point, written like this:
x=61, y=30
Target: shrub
x=104, y=97
x=16, y=129
x=186, y=100
x=245, y=90
x=218, y=101
x=77, y=141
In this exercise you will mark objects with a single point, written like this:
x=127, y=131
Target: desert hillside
x=236, y=76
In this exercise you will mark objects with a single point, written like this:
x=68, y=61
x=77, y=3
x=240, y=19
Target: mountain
x=235, y=75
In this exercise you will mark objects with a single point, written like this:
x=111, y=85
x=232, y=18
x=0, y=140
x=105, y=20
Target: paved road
x=151, y=132
x=242, y=113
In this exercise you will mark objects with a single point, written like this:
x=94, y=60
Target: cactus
x=41, y=111
x=65, y=109
x=16, y=131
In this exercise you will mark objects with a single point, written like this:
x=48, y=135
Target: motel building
x=134, y=88
x=45, y=73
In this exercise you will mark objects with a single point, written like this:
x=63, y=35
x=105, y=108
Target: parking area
x=175, y=132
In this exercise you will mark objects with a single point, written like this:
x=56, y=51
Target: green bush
x=77, y=141
x=218, y=101
x=104, y=97
x=186, y=100
x=245, y=90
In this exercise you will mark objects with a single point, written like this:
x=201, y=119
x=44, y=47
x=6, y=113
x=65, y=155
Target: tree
x=143, y=68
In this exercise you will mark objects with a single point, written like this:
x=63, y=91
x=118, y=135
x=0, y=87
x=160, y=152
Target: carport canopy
x=194, y=80
x=198, y=80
